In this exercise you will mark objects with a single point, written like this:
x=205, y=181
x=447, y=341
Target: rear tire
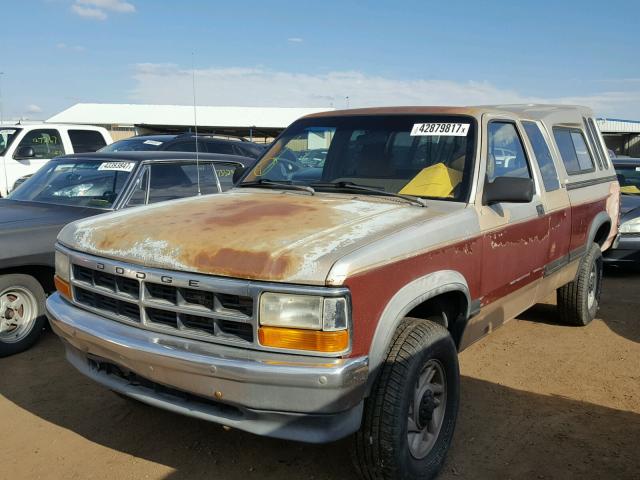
x=410, y=415
x=578, y=301
x=22, y=318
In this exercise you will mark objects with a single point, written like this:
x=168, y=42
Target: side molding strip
x=589, y=183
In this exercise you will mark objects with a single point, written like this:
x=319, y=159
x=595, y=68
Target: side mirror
x=237, y=174
x=508, y=190
x=25, y=152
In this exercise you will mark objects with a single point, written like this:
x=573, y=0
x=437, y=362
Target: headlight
x=62, y=266
x=293, y=311
x=304, y=322
x=632, y=226
x=61, y=278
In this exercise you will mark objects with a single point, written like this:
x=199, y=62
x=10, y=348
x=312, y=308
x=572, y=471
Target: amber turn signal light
x=63, y=287
x=300, y=339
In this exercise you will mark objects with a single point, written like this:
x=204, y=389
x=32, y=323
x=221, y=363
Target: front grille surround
x=164, y=306
x=196, y=306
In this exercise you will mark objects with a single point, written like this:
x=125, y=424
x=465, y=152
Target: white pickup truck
x=25, y=148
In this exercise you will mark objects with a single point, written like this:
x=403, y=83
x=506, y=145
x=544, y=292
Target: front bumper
x=292, y=397
x=626, y=251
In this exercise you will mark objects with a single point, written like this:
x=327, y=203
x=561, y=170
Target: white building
x=621, y=136
x=124, y=120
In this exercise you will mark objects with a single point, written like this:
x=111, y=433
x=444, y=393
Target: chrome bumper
x=285, y=396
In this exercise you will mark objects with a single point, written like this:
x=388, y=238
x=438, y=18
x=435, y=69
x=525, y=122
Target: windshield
x=629, y=178
x=133, y=145
x=76, y=182
x=419, y=155
x=7, y=136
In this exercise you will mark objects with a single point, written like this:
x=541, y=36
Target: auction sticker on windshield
x=440, y=129
x=118, y=166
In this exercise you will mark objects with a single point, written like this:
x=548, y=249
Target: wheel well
x=602, y=233
x=42, y=273
x=451, y=306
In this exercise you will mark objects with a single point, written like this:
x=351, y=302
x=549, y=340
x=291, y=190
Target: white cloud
x=295, y=40
x=91, y=13
x=97, y=9
x=33, y=108
x=75, y=48
x=171, y=84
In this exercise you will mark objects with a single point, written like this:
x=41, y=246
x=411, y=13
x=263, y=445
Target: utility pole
x=1, y=104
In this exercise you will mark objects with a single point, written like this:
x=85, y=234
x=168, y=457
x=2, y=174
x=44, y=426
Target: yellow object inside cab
x=435, y=181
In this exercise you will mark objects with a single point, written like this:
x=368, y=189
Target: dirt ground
x=539, y=401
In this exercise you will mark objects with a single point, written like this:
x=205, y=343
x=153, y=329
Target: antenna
x=195, y=121
x=4, y=158
x=195, y=127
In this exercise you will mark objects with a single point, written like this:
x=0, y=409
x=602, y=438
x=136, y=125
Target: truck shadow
x=619, y=293
x=501, y=432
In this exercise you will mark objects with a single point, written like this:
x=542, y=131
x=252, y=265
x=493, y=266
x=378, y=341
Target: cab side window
x=506, y=157
x=46, y=143
x=168, y=181
x=140, y=189
x=543, y=156
x=86, y=140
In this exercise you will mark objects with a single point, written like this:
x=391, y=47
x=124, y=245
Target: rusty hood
x=253, y=234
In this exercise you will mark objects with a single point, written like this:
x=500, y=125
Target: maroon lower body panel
x=494, y=264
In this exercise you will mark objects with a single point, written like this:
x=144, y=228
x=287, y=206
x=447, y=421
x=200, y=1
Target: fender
x=600, y=219
x=408, y=297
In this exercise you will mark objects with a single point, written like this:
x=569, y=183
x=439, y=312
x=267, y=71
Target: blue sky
x=283, y=53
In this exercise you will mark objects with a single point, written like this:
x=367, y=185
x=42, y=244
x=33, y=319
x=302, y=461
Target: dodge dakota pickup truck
x=319, y=300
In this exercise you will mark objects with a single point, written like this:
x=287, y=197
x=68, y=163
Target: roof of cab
x=543, y=112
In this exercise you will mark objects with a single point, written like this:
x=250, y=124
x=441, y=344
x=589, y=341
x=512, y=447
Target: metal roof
x=180, y=115
x=616, y=125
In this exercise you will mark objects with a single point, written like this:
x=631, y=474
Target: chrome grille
x=160, y=301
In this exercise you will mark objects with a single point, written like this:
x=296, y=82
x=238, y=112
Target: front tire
x=22, y=316
x=410, y=415
x=578, y=301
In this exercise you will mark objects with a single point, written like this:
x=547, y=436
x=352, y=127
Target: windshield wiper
x=285, y=185
x=364, y=188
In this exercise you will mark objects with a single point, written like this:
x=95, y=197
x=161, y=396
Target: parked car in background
x=187, y=143
x=26, y=148
x=627, y=249
x=311, y=307
x=79, y=186
x=313, y=158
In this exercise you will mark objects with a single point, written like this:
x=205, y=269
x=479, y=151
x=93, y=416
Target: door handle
x=540, y=209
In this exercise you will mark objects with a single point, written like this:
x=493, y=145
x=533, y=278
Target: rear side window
x=573, y=150
x=188, y=146
x=543, y=156
x=220, y=147
x=506, y=155
x=86, y=140
x=598, y=143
